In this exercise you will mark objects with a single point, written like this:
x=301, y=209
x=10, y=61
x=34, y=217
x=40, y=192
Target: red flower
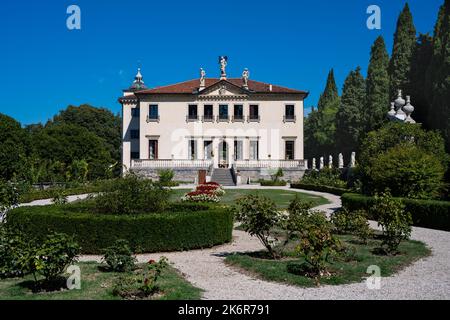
x=151, y=261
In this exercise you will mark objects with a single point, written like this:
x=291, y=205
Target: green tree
x=350, y=116
x=438, y=75
x=377, y=86
x=402, y=53
x=320, y=127
x=13, y=148
x=419, y=65
x=99, y=121
x=63, y=143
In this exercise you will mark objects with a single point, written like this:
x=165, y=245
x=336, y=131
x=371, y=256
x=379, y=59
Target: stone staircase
x=223, y=176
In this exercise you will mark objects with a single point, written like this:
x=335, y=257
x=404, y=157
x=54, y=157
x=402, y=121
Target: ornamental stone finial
x=313, y=164
x=408, y=108
x=330, y=161
x=321, y=163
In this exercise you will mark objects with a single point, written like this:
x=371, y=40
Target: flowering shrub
x=119, y=256
x=208, y=192
x=200, y=196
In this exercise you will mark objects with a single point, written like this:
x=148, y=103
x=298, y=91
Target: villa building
x=230, y=130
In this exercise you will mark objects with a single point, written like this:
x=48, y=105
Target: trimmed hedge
x=197, y=226
x=320, y=188
x=431, y=214
x=271, y=183
x=37, y=194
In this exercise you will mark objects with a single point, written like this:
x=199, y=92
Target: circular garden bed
x=181, y=227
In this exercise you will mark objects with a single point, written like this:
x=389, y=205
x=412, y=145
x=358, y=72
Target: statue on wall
x=202, y=78
x=353, y=160
x=223, y=60
x=341, y=161
x=314, y=164
x=245, y=76
x=321, y=163
x=330, y=161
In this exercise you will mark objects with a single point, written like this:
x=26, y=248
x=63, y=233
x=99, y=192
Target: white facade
x=225, y=124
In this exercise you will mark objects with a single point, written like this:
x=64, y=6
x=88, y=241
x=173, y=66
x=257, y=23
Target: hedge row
x=320, y=188
x=271, y=183
x=195, y=227
x=431, y=214
x=37, y=194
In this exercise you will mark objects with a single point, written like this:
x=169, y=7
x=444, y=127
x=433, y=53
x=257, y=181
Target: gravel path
x=427, y=278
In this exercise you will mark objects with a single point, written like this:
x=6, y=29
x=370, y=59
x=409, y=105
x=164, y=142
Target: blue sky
x=45, y=67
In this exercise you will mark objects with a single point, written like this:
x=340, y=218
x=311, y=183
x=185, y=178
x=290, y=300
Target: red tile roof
x=188, y=87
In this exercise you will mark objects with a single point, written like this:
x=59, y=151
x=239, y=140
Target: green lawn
x=97, y=285
x=347, y=269
x=281, y=197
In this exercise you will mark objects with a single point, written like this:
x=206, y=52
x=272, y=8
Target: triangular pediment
x=223, y=88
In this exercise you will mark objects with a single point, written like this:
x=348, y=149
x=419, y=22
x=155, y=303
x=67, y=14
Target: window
x=192, y=149
x=134, y=155
x=207, y=146
x=238, y=112
x=135, y=112
x=153, y=112
x=254, y=112
x=192, y=113
x=289, y=150
x=254, y=146
x=208, y=112
x=289, y=114
x=134, y=134
x=238, y=150
x=153, y=149
x=223, y=112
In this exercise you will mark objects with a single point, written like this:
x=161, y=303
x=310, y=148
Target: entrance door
x=223, y=155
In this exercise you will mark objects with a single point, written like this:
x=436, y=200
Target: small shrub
x=394, y=220
x=50, y=257
x=354, y=222
x=258, y=215
x=142, y=283
x=317, y=244
x=166, y=178
x=272, y=183
x=324, y=177
x=13, y=244
x=119, y=257
x=60, y=198
x=298, y=212
x=132, y=195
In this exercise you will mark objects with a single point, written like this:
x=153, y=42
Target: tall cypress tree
x=438, y=75
x=350, y=116
x=320, y=124
x=377, y=86
x=420, y=61
x=402, y=52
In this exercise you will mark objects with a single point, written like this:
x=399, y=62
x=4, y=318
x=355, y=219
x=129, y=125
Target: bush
x=258, y=215
x=60, y=198
x=49, y=257
x=391, y=136
x=142, y=284
x=298, y=211
x=425, y=213
x=13, y=245
x=9, y=195
x=132, y=195
x=354, y=222
x=408, y=172
x=272, y=183
x=320, y=188
x=190, y=228
x=324, y=177
x=166, y=178
x=119, y=257
x=317, y=244
x=394, y=220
